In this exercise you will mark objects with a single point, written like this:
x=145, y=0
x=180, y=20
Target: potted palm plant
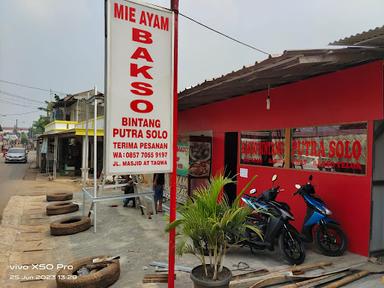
x=206, y=221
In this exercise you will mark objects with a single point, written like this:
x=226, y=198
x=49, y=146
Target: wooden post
x=347, y=279
x=287, y=148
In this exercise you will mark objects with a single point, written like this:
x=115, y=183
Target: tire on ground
x=343, y=238
x=104, y=277
x=71, y=225
x=299, y=246
x=61, y=208
x=60, y=196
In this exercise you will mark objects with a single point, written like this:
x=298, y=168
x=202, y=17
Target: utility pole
x=172, y=210
x=15, y=127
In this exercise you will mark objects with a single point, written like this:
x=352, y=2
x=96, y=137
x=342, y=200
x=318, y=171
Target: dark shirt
x=159, y=179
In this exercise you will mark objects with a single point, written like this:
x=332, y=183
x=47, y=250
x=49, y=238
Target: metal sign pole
x=86, y=138
x=172, y=210
x=86, y=144
x=55, y=149
x=95, y=162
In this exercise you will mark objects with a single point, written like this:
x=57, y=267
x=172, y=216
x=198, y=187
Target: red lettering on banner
x=294, y=147
x=299, y=148
x=117, y=155
x=164, y=23
x=142, y=53
x=124, y=12
x=156, y=24
x=155, y=21
x=146, y=106
x=356, y=150
x=140, y=122
x=127, y=133
x=343, y=150
x=144, y=17
x=124, y=145
x=332, y=147
x=249, y=148
x=136, y=70
x=313, y=148
x=141, y=36
x=339, y=149
x=242, y=148
x=142, y=88
x=156, y=134
x=322, y=149
x=348, y=153
x=307, y=144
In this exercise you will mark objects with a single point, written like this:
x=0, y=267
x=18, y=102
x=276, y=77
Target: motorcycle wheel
x=291, y=247
x=331, y=240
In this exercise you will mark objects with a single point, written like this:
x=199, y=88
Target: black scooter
x=273, y=218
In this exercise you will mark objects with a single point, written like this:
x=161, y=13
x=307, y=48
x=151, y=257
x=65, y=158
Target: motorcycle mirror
x=297, y=186
x=274, y=178
x=253, y=191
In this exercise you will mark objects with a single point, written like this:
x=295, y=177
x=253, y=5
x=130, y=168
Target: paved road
x=10, y=176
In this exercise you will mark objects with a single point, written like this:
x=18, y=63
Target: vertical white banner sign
x=139, y=99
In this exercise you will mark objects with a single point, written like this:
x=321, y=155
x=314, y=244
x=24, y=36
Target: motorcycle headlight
x=327, y=211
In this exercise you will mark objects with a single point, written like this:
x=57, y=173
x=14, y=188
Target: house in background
x=62, y=145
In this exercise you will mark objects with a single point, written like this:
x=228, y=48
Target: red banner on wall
x=337, y=148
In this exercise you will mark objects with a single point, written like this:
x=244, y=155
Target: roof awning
x=371, y=38
x=291, y=66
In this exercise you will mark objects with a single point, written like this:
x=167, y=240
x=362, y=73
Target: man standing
x=129, y=189
x=158, y=187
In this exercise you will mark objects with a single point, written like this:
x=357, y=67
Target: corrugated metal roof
x=371, y=38
x=291, y=66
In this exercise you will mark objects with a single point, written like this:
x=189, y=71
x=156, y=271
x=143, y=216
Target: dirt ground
x=25, y=240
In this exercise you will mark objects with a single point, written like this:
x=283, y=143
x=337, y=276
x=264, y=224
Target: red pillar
x=172, y=212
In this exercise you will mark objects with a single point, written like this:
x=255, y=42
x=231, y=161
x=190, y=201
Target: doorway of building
x=230, y=163
x=377, y=204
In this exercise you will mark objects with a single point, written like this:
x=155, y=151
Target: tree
x=50, y=105
x=39, y=124
x=24, y=138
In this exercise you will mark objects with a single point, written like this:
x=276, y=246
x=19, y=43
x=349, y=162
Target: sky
x=59, y=44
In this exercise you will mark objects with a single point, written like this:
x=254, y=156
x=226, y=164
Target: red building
x=310, y=112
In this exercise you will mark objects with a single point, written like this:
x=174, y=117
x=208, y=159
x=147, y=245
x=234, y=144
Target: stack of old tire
x=101, y=274
x=68, y=225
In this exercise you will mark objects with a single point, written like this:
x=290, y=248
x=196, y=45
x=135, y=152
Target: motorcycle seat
x=284, y=205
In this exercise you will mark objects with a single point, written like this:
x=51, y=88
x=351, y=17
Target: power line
x=13, y=103
x=17, y=114
x=225, y=35
x=21, y=97
x=30, y=87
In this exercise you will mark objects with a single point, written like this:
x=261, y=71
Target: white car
x=16, y=155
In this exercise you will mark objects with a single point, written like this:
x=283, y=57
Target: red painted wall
x=350, y=95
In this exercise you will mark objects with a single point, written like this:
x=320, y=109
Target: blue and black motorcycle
x=326, y=232
x=273, y=218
